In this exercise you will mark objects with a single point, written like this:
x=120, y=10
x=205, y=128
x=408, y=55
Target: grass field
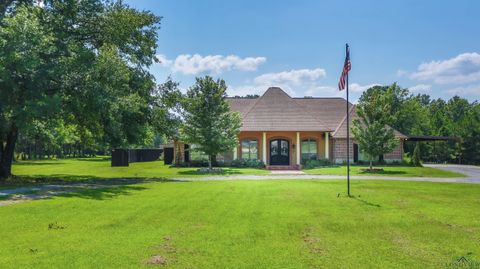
x=393, y=170
x=99, y=168
x=246, y=224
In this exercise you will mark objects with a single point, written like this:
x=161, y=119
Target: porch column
x=264, y=148
x=298, y=148
x=235, y=152
x=327, y=150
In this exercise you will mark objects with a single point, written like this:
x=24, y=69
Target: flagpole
x=348, y=133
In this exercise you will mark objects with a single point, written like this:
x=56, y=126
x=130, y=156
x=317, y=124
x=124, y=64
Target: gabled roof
x=275, y=110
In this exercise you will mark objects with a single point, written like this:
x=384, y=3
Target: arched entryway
x=279, y=152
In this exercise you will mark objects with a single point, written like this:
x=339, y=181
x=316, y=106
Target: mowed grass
x=247, y=224
x=392, y=170
x=100, y=168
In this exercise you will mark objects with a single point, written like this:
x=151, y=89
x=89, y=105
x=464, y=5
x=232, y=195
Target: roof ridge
x=254, y=104
x=291, y=98
x=326, y=97
x=343, y=120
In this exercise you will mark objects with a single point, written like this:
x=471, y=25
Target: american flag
x=346, y=67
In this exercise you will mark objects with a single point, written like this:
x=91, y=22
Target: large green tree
x=371, y=129
x=209, y=124
x=82, y=62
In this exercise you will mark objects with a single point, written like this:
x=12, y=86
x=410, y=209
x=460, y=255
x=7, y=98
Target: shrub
x=245, y=163
x=310, y=164
x=240, y=163
x=416, y=160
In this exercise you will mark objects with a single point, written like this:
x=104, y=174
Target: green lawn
x=99, y=168
x=247, y=224
x=392, y=170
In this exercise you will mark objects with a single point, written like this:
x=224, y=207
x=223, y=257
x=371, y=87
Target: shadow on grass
x=365, y=202
x=52, y=178
x=390, y=173
x=102, y=159
x=38, y=162
x=72, y=179
x=103, y=193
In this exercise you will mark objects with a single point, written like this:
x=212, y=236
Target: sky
x=430, y=47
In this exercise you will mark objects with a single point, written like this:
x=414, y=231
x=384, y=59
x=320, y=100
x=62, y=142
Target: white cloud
x=246, y=89
x=163, y=60
x=463, y=68
x=355, y=87
x=420, y=88
x=296, y=82
x=401, y=73
x=323, y=91
x=293, y=76
x=195, y=64
x=471, y=89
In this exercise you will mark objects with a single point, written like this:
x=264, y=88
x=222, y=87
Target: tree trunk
x=210, y=162
x=7, y=151
x=371, y=165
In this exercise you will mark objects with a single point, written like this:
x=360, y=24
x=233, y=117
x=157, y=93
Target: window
x=309, y=149
x=249, y=149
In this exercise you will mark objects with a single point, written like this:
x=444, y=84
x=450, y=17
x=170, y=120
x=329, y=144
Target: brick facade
x=339, y=154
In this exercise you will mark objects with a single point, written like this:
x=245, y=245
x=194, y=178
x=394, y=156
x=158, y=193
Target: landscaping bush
x=310, y=164
x=244, y=163
x=240, y=163
x=416, y=160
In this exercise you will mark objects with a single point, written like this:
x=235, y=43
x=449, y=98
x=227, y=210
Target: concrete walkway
x=326, y=177
x=468, y=170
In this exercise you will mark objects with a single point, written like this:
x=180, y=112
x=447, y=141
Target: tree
x=167, y=109
x=416, y=158
x=370, y=129
x=82, y=62
x=209, y=124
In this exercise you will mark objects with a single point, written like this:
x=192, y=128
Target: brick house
x=275, y=124
x=285, y=131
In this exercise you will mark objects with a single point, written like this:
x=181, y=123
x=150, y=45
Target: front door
x=355, y=153
x=279, y=152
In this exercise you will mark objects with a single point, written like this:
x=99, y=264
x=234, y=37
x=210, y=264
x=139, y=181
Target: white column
x=235, y=152
x=264, y=148
x=327, y=149
x=298, y=148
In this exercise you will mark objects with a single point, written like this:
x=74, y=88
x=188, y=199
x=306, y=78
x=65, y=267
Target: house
x=286, y=131
x=281, y=130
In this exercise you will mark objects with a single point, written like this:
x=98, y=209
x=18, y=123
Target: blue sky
x=430, y=47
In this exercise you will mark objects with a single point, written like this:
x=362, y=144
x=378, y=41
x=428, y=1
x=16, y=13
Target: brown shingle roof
x=275, y=110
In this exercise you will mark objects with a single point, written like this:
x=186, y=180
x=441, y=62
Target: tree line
x=75, y=81
x=420, y=115
x=74, y=76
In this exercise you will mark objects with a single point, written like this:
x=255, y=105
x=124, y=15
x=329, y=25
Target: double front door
x=279, y=152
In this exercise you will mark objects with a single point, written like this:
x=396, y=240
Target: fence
x=122, y=157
